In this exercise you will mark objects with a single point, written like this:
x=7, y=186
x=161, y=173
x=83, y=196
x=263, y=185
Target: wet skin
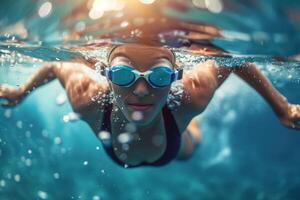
x=199, y=86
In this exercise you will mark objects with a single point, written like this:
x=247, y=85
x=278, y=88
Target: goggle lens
x=161, y=76
x=122, y=75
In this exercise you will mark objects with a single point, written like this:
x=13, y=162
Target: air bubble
x=56, y=175
x=17, y=178
x=130, y=127
x=71, y=117
x=157, y=140
x=96, y=198
x=61, y=99
x=123, y=156
x=7, y=113
x=104, y=135
x=124, y=138
x=42, y=194
x=45, y=133
x=137, y=115
x=28, y=162
x=28, y=134
x=2, y=183
x=57, y=140
x=125, y=147
x=19, y=124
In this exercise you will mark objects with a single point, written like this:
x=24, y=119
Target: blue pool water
x=245, y=152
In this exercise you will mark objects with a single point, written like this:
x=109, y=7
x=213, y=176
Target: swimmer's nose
x=141, y=88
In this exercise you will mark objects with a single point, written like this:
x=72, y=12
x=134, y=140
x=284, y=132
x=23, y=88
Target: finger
x=2, y=93
x=296, y=126
x=297, y=123
x=298, y=111
x=8, y=104
x=289, y=124
x=3, y=88
x=5, y=104
x=293, y=125
x=295, y=111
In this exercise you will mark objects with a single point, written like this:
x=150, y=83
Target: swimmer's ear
x=100, y=67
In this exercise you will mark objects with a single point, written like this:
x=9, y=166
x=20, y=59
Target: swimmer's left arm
x=289, y=114
x=205, y=79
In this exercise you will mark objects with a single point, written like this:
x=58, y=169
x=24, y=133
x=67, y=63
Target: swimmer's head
x=141, y=100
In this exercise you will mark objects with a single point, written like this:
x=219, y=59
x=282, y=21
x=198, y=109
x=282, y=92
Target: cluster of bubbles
x=12, y=58
x=9, y=176
x=102, y=98
x=17, y=178
x=175, y=96
x=71, y=116
x=124, y=138
x=173, y=37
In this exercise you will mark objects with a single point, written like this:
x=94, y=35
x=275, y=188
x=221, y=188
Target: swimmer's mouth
x=140, y=107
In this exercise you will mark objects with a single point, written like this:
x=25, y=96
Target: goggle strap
x=101, y=67
x=179, y=74
x=107, y=73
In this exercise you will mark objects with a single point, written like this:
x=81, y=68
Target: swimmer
x=138, y=128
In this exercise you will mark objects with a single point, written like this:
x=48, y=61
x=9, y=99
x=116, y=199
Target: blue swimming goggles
x=158, y=77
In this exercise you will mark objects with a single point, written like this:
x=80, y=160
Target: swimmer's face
x=140, y=103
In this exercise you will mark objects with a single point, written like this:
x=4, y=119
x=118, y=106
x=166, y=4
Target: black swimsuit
x=172, y=133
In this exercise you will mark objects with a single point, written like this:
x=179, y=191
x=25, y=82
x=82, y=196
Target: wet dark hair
x=117, y=45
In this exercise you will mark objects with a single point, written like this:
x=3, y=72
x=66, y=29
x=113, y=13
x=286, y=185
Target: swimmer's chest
x=142, y=145
x=139, y=146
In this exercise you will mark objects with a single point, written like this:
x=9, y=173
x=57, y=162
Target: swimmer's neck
x=141, y=127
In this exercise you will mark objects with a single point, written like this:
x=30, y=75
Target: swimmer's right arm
x=15, y=94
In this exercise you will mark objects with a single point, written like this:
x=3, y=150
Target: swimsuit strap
x=173, y=138
x=172, y=133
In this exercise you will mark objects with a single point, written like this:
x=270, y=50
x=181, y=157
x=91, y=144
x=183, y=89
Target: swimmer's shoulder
x=199, y=86
x=93, y=110
x=87, y=90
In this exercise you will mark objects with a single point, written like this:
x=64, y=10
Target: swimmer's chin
x=141, y=123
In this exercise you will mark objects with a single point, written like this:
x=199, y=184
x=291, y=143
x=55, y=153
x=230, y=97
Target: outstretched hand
x=12, y=94
x=291, y=118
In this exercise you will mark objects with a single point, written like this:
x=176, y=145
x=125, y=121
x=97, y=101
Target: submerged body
x=151, y=138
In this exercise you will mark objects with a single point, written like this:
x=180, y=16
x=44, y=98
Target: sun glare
x=100, y=6
x=147, y=1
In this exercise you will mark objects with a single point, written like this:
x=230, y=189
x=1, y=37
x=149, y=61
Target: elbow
x=246, y=67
